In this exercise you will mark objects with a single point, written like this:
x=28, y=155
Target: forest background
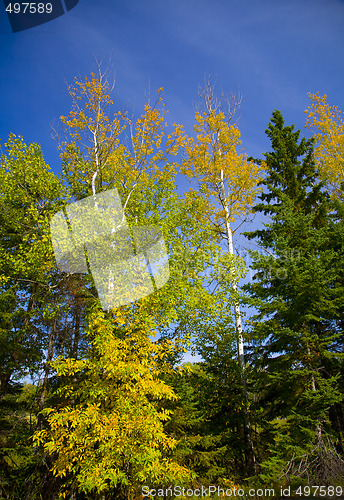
x=110, y=408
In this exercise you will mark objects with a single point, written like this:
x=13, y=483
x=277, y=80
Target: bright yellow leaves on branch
x=214, y=160
x=328, y=124
x=108, y=432
x=150, y=145
x=93, y=136
x=95, y=97
x=111, y=149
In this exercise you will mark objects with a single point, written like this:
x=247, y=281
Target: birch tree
x=136, y=157
x=102, y=149
x=225, y=176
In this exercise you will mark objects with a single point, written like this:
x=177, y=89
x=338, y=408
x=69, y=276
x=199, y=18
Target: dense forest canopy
x=111, y=410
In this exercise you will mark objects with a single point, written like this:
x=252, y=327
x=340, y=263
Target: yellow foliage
x=213, y=158
x=96, y=154
x=328, y=124
x=112, y=423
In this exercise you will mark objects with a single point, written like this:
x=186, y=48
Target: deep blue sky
x=272, y=51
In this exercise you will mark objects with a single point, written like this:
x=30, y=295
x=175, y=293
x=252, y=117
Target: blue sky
x=274, y=52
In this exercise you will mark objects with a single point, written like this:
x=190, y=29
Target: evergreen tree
x=298, y=293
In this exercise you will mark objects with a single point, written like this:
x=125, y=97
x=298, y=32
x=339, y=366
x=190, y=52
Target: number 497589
x=322, y=491
x=29, y=8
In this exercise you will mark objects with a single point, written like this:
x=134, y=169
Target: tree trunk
x=251, y=461
x=50, y=355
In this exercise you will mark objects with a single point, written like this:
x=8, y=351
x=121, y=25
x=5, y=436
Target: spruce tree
x=298, y=293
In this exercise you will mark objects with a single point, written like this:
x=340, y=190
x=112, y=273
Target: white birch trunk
x=251, y=459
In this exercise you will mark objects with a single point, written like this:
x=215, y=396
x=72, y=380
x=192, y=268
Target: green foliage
x=298, y=293
x=30, y=195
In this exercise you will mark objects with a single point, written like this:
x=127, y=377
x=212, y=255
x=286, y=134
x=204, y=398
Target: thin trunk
x=50, y=355
x=4, y=381
x=75, y=347
x=250, y=453
x=314, y=389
